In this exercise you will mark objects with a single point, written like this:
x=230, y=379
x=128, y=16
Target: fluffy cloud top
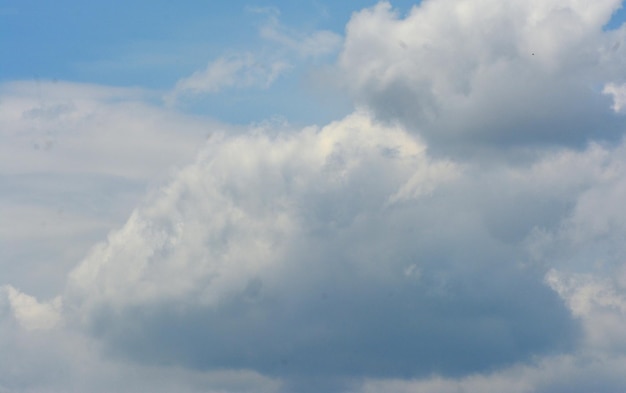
x=467, y=73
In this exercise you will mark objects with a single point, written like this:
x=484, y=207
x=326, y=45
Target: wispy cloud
x=257, y=69
x=313, y=44
x=235, y=71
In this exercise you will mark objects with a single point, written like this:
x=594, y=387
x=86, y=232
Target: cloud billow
x=466, y=74
x=291, y=258
x=461, y=231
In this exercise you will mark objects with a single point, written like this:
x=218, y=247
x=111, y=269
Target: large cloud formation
x=380, y=252
x=476, y=72
x=75, y=160
x=321, y=253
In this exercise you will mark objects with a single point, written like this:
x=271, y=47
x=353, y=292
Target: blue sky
x=322, y=196
x=151, y=44
x=67, y=39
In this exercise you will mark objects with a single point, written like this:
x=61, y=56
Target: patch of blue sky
x=146, y=43
x=618, y=18
x=289, y=99
x=116, y=42
x=153, y=44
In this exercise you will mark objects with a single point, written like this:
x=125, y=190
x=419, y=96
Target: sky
x=341, y=197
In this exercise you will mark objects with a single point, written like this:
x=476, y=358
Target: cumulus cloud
x=476, y=73
x=366, y=255
x=585, y=256
x=288, y=254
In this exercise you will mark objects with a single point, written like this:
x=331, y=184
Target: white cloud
x=50, y=126
x=354, y=220
x=238, y=71
x=31, y=314
x=482, y=72
x=618, y=92
x=425, y=181
x=349, y=257
x=234, y=210
x=264, y=222
x=600, y=305
x=266, y=226
x=74, y=160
